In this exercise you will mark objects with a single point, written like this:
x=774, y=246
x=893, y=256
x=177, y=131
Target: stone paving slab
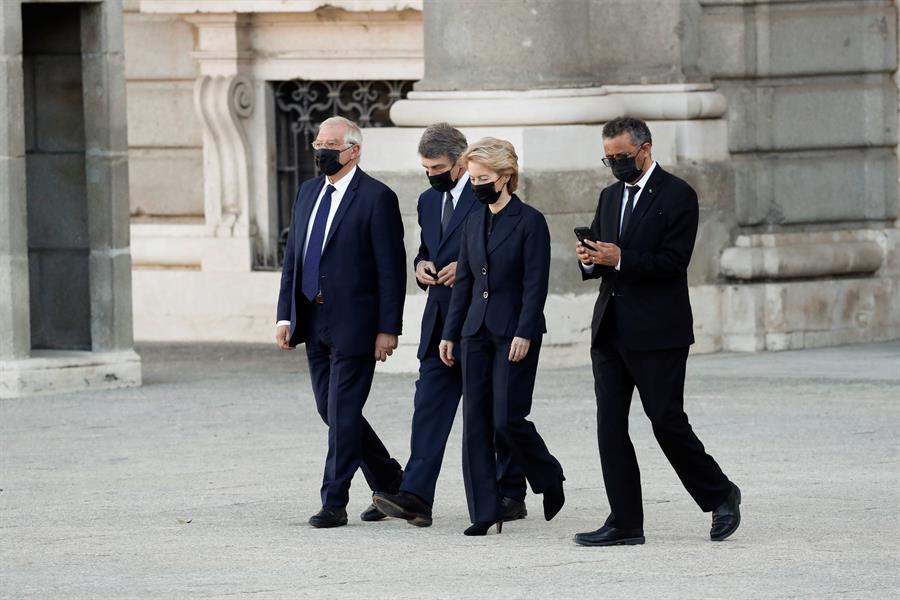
x=199, y=484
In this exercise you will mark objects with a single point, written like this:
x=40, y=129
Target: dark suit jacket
x=441, y=250
x=502, y=283
x=362, y=271
x=652, y=311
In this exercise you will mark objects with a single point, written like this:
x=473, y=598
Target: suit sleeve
x=536, y=257
x=462, y=291
x=423, y=249
x=598, y=271
x=390, y=262
x=287, y=270
x=671, y=258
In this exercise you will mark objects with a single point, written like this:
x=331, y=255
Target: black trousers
x=497, y=397
x=341, y=386
x=659, y=378
x=438, y=391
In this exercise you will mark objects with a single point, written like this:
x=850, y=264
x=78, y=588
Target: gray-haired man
x=443, y=209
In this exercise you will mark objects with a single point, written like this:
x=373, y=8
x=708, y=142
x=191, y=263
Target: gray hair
x=440, y=140
x=352, y=135
x=635, y=128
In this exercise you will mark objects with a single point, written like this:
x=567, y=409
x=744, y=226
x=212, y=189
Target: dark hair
x=442, y=140
x=637, y=129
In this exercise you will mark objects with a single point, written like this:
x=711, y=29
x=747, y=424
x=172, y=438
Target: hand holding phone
x=583, y=233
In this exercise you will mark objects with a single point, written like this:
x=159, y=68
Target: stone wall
x=165, y=147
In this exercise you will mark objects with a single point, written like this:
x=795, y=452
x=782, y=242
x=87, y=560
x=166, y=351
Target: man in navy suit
x=640, y=245
x=443, y=210
x=343, y=286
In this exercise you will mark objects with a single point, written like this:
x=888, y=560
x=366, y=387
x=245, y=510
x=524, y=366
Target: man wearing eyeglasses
x=640, y=245
x=343, y=286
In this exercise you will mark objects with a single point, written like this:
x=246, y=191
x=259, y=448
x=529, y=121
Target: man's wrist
x=280, y=323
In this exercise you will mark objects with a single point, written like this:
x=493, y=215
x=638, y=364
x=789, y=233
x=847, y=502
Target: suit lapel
x=613, y=215
x=477, y=228
x=648, y=196
x=432, y=222
x=512, y=214
x=348, y=198
x=463, y=207
x=304, y=214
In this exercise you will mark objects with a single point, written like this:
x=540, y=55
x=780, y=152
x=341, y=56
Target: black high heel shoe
x=481, y=528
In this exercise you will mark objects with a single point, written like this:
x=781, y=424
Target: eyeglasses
x=609, y=161
x=330, y=146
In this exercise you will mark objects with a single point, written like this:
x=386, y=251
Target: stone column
x=813, y=136
x=109, y=361
x=15, y=334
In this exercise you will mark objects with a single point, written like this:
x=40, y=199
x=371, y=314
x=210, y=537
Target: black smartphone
x=430, y=273
x=583, y=233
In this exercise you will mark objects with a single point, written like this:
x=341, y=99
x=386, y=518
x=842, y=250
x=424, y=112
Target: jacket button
x=484, y=270
x=484, y=295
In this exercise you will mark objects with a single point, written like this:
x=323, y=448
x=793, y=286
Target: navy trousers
x=438, y=391
x=341, y=386
x=497, y=397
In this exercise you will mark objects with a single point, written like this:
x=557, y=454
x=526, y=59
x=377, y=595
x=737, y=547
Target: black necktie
x=448, y=212
x=629, y=207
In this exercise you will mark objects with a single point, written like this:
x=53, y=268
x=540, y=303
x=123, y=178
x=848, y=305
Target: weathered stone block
x=12, y=99
x=60, y=299
x=10, y=28
x=773, y=39
x=15, y=334
x=111, y=320
x=813, y=187
x=107, y=200
x=799, y=114
x=57, y=204
x=51, y=28
x=673, y=27
x=13, y=214
x=166, y=182
x=163, y=114
x=168, y=39
x=58, y=108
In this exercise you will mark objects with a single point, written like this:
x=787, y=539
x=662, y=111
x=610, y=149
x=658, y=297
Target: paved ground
x=199, y=484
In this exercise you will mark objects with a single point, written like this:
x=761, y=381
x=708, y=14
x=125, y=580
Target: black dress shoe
x=610, y=536
x=553, y=501
x=513, y=509
x=482, y=527
x=727, y=517
x=372, y=514
x=405, y=506
x=329, y=516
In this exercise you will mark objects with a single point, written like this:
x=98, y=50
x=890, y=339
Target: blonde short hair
x=497, y=155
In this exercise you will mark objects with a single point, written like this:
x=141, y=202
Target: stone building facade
x=783, y=114
x=65, y=268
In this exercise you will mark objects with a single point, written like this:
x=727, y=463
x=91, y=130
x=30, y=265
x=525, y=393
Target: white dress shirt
x=340, y=187
x=457, y=190
x=642, y=182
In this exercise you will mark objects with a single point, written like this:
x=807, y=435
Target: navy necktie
x=448, y=212
x=310, y=285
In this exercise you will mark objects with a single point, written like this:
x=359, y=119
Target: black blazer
x=441, y=250
x=502, y=283
x=653, y=310
x=362, y=272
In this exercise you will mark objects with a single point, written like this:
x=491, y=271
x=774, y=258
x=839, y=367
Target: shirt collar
x=341, y=185
x=643, y=180
x=457, y=190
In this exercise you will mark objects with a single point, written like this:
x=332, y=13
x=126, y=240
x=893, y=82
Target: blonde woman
x=497, y=315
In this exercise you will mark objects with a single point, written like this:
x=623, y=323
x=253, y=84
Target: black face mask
x=485, y=193
x=442, y=182
x=328, y=160
x=626, y=169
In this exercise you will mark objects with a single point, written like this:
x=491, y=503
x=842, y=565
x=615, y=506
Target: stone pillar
x=224, y=97
x=15, y=334
x=91, y=226
x=547, y=75
x=813, y=134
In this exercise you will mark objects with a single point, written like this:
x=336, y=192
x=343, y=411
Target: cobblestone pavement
x=199, y=484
